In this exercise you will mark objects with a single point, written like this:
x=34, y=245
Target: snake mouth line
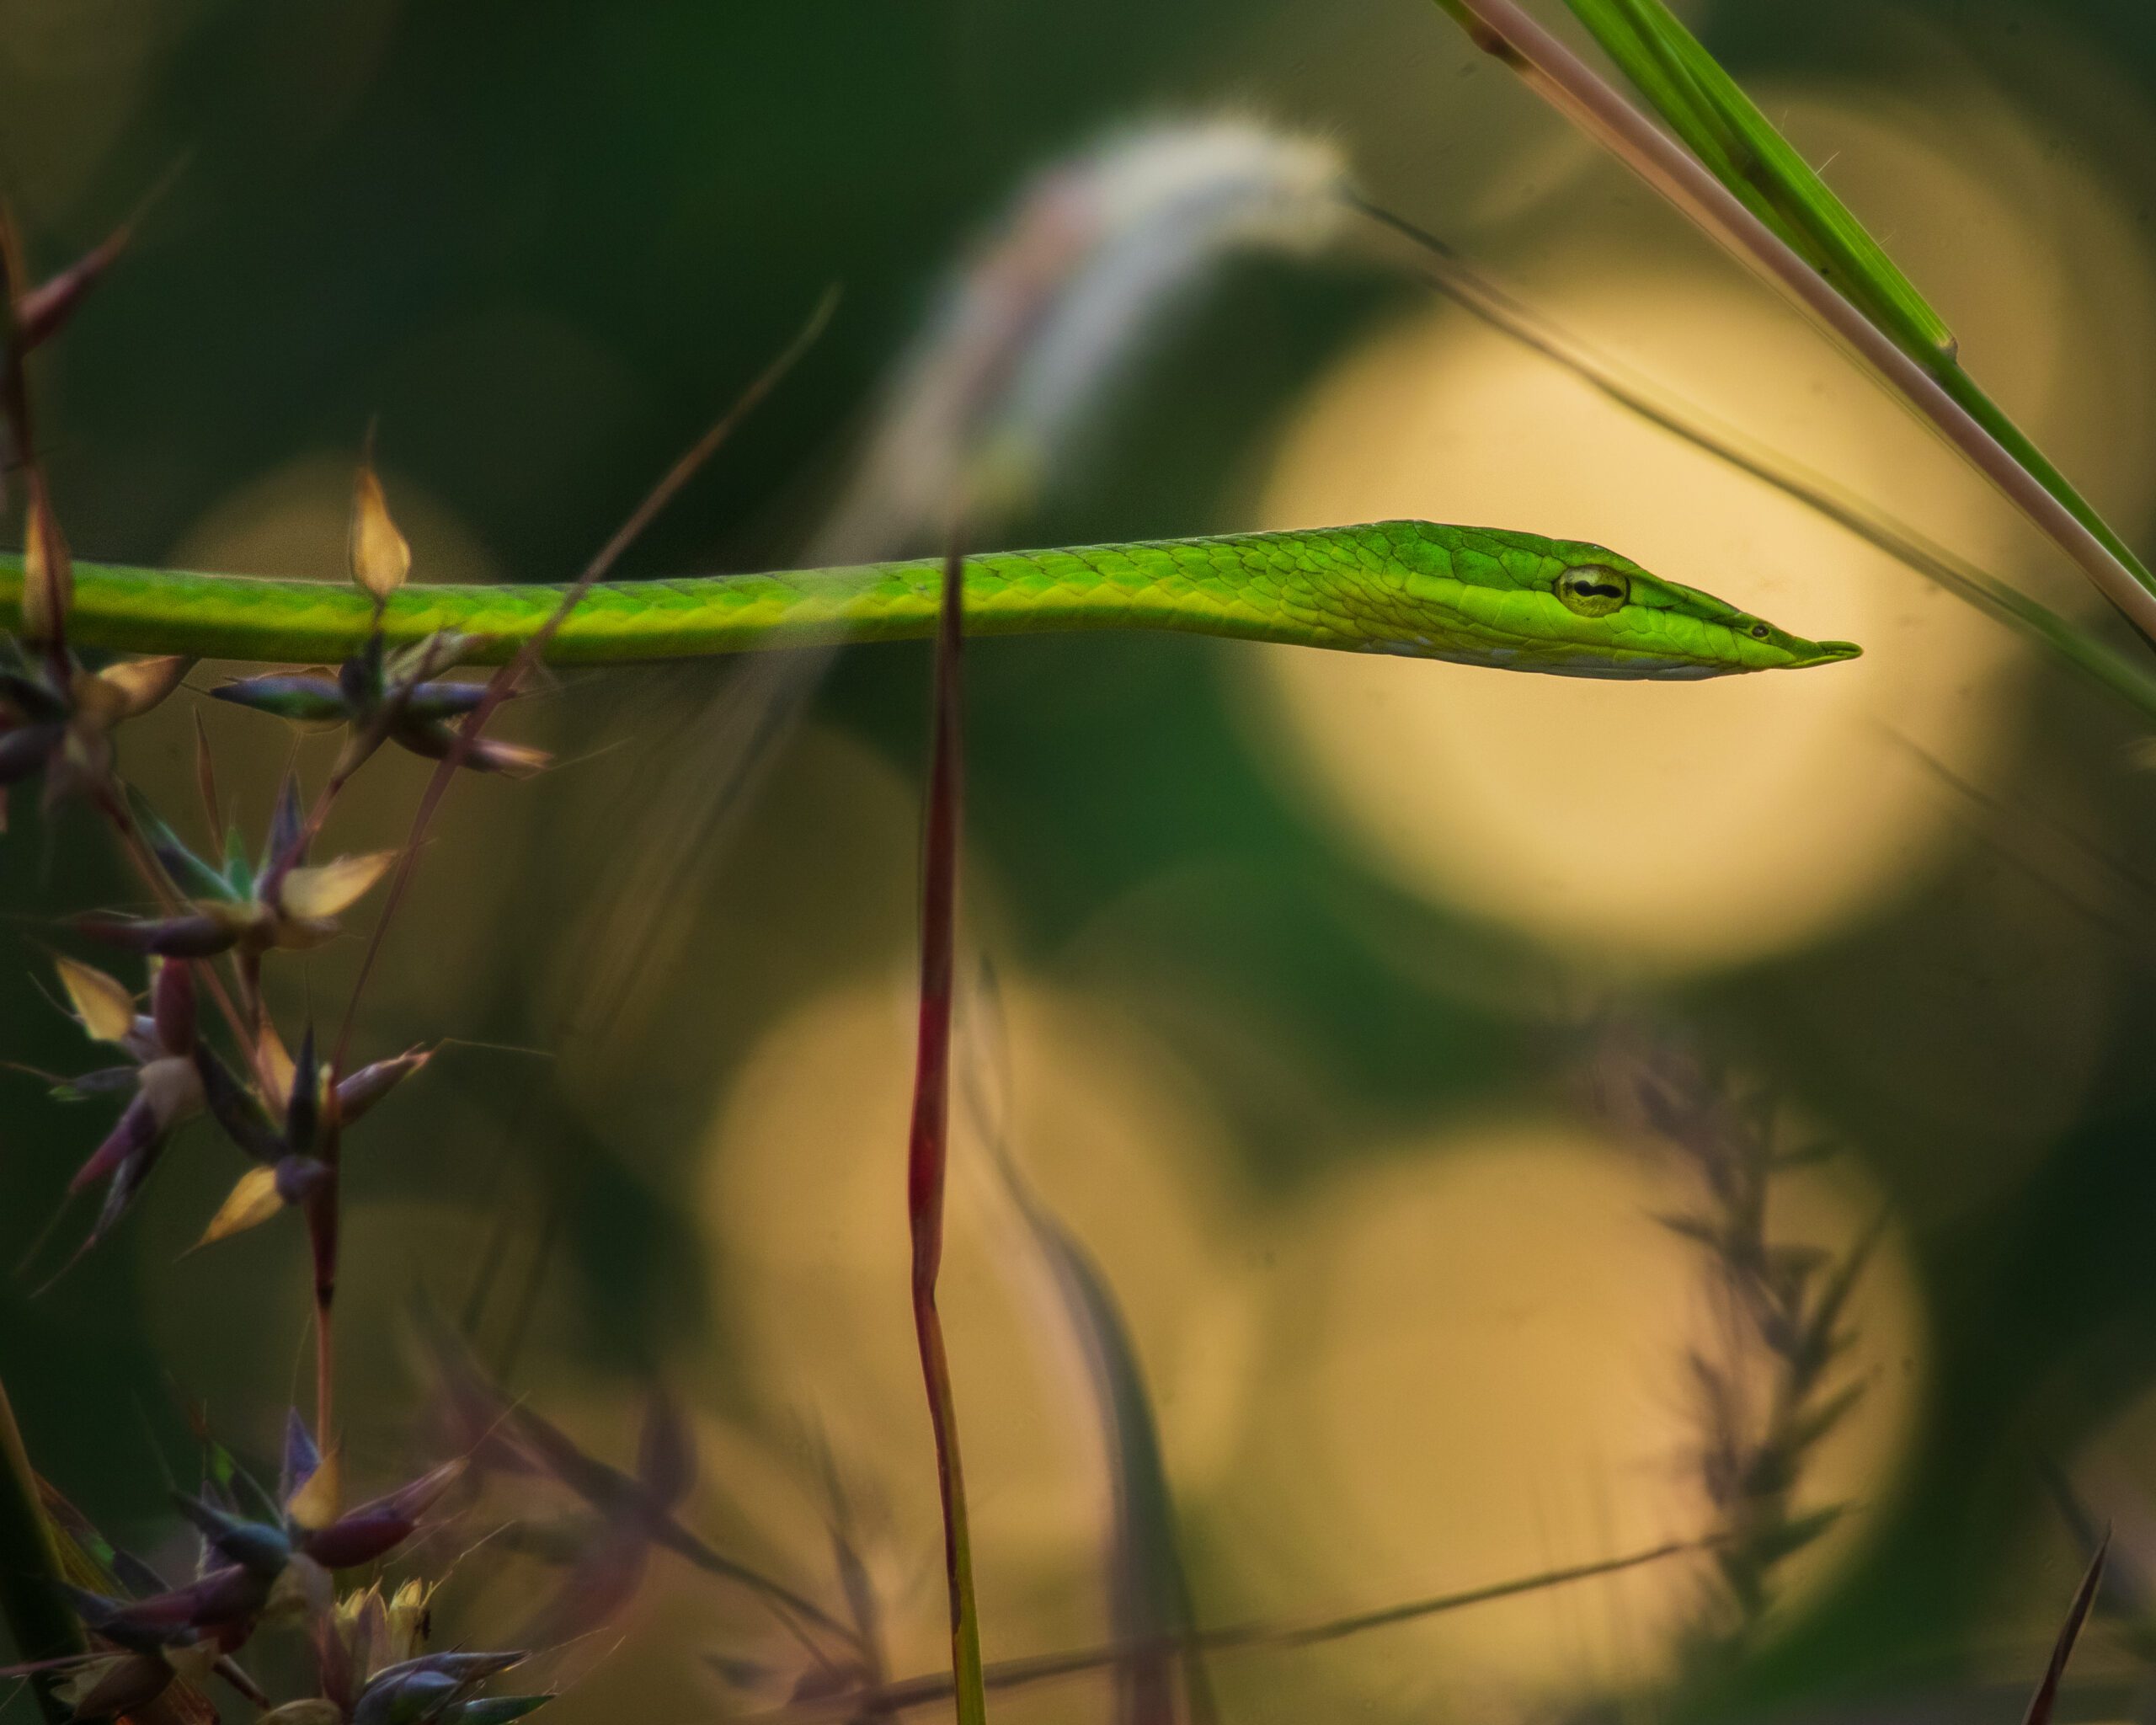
x=1829, y=652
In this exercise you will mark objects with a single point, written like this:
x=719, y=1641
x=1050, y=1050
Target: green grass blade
x=1734, y=141
x=1725, y=128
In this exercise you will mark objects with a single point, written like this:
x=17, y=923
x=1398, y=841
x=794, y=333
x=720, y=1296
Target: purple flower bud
x=136, y=1130
x=256, y=1547
x=364, y=1088
x=226, y=1600
x=404, y=1697
x=25, y=700
x=432, y=740
x=191, y=937
x=499, y=1709
x=286, y=824
x=301, y=1457
x=299, y=1177
x=377, y=1528
x=236, y=1109
x=302, y=698
x=25, y=749
x=444, y=700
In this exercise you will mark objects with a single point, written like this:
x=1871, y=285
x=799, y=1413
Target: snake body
x=1476, y=596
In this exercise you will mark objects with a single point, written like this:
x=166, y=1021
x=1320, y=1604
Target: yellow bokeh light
x=1481, y=1346
x=805, y=1192
x=1675, y=827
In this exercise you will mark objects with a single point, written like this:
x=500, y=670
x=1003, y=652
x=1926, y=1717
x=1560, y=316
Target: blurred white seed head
x=1036, y=326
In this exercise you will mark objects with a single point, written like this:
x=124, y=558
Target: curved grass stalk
x=1934, y=388
x=2127, y=677
x=1725, y=129
x=928, y=1690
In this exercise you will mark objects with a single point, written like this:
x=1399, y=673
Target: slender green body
x=1477, y=595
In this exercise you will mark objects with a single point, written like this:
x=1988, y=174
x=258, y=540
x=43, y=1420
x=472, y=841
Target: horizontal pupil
x=1588, y=589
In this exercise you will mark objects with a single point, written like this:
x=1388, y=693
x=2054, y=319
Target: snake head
x=1579, y=609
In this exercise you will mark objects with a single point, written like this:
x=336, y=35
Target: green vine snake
x=1472, y=596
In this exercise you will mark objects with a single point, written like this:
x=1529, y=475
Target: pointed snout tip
x=1830, y=652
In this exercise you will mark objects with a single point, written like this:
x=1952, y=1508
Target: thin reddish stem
x=928, y=1141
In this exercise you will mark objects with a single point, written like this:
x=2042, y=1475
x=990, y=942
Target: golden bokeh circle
x=1670, y=827
x=805, y=1198
x=1481, y=1347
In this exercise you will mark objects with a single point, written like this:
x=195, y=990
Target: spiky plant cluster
x=1773, y=1381
x=194, y=1039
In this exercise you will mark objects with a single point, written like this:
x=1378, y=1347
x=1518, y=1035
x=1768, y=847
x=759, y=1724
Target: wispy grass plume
x=990, y=407
x=1018, y=362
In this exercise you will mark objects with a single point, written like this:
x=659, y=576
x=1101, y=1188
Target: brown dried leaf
x=140, y=684
x=381, y=559
x=43, y=311
x=101, y=1003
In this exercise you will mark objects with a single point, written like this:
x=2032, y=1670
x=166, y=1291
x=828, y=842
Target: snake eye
x=1592, y=590
x=1759, y=631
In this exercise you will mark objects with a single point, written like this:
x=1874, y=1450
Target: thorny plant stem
x=928, y=1142
x=31, y=1595
x=1503, y=28
x=247, y=1032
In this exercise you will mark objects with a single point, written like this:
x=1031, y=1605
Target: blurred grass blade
x=1150, y=1589
x=1722, y=126
x=1150, y=1610
x=2045, y=1699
